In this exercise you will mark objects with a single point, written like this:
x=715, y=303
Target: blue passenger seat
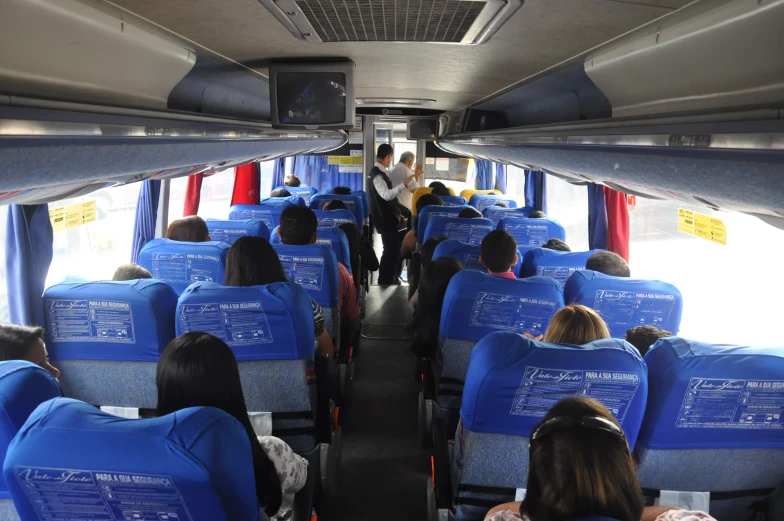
x=267, y=211
x=470, y=231
x=23, y=387
x=453, y=200
x=303, y=192
x=496, y=213
x=365, y=200
x=532, y=233
x=559, y=265
x=432, y=211
x=352, y=202
x=229, y=231
x=106, y=338
x=482, y=201
x=71, y=460
x=333, y=237
x=714, y=423
x=332, y=218
x=624, y=303
x=468, y=255
x=180, y=264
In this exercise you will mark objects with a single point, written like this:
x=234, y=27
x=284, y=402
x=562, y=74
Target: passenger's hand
x=408, y=180
x=419, y=172
x=529, y=335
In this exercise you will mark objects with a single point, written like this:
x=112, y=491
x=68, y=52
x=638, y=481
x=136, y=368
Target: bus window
x=216, y=191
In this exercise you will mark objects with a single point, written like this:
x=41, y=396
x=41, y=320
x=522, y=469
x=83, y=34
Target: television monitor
x=423, y=128
x=312, y=95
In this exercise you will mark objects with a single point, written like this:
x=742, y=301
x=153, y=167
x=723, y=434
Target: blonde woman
x=574, y=324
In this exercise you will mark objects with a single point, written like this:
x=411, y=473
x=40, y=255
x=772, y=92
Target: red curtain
x=617, y=222
x=246, y=184
x=192, y=195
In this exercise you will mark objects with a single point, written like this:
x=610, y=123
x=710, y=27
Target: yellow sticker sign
x=703, y=226
x=71, y=216
x=333, y=160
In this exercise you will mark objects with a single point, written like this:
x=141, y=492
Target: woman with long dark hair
x=431, y=291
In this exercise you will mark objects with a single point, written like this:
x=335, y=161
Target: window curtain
x=536, y=190
x=146, y=216
x=315, y=171
x=192, y=195
x=617, y=222
x=484, y=175
x=597, y=218
x=278, y=173
x=247, y=183
x=28, y=255
x=500, y=177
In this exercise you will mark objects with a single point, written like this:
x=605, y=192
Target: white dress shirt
x=399, y=174
x=386, y=194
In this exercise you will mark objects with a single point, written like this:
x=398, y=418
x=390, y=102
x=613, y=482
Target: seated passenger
x=428, y=249
x=470, y=213
x=188, y=229
x=441, y=191
x=251, y=261
x=538, y=214
x=409, y=241
x=498, y=253
x=643, y=337
x=198, y=370
x=25, y=343
x=131, y=272
x=437, y=184
x=502, y=204
x=574, y=324
x=341, y=190
x=292, y=180
x=427, y=317
x=364, y=249
x=557, y=245
x=608, y=263
x=580, y=469
x=335, y=204
x=298, y=226
x=280, y=192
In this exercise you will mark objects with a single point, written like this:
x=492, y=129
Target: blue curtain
x=278, y=173
x=484, y=174
x=28, y=254
x=500, y=177
x=146, y=216
x=315, y=171
x=536, y=190
x=597, y=218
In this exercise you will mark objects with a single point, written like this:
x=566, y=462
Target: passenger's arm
x=408, y=245
x=325, y=345
x=651, y=513
x=387, y=194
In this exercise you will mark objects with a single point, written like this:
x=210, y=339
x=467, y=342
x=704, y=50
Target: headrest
x=710, y=396
x=513, y=381
x=23, y=387
x=293, y=200
x=559, y=265
x=315, y=268
x=476, y=304
x=195, y=461
x=331, y=218
x=363, y=197
x=482, y=201
x=353, y=203
x=470, y=231
x=180, y=264
x=453, y=200
x=304, y=192
x=230, y=231
x=532, y=232
x=428, y=212
x=624, y=303
x=468, y=192
x=257, y=322
x=335, y=238
x=496, y=213
x=109, y=320
x=467, y=254
x=269, y=214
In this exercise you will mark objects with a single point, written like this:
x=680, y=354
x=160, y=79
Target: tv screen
x=423, y=128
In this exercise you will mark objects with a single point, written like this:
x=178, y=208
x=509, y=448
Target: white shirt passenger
x=381, y=187
x=397, y=175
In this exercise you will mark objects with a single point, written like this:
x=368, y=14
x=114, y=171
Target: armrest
x=441, y=465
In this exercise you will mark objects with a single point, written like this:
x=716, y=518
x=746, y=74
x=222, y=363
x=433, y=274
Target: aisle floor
x=384, y=469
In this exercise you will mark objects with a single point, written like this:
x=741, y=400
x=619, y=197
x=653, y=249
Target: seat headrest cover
x=229, y=231
x=428, y=212
x=192, y=464
x=532, y=232
x=624, y=303
x=269, y=214
x=496, y=213
x=335, y=238
x=467, y=254
x=303, y=192
x=332, y=218
x=476, y=304
x=513, y=381
x=559, y=265
x=315, y=268
x=353, y=203
x=109, y=320
x=482, y=201
x=453, y=200
x=23, y=387
x=257, y=322
x=293, y=200
x=180, y=264
x=363, y=197
x=710, y=396
x=470, y=231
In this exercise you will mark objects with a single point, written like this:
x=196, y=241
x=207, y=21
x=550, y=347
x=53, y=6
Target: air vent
x=406, y=102
x=464, y=22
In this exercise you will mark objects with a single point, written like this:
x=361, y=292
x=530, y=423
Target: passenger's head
x=25, y=343
x=384, y=154
x=580, y=465
x=280, y=192
x=469, y=213
x=298, y=226
x=538, y=214
x=557, y=245
x=428, y=200
x=341, y=190
x=131, y=272
x=292, y=180
x=576, y=324
x=429, y=248
x=498, y=252
x=608, y=263
x=441, y=191
x=643, y=337
x=199, y=370
x=251, y=261
x=335, y=204
x=436, y=184
x=502, y=204
x=188, y=229
x=407, y=158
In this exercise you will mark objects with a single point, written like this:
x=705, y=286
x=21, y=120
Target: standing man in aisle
x=386, y=212
x=400, y=173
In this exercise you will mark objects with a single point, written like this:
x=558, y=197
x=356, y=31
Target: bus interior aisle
x=383, y=466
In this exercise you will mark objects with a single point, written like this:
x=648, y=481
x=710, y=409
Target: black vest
x=386, y=214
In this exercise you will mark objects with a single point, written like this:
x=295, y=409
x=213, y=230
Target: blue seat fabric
x=352, y=202
x=468, y=255
x=496, y=213
x=532, y=233
x=267, y=211
x=303, y=192
x=229, y=231
x=333, y=218
x=559, y=265
x=333, y=237
x=482, y=201
x=470, y=231
x=180, y=264
x=428, y=212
